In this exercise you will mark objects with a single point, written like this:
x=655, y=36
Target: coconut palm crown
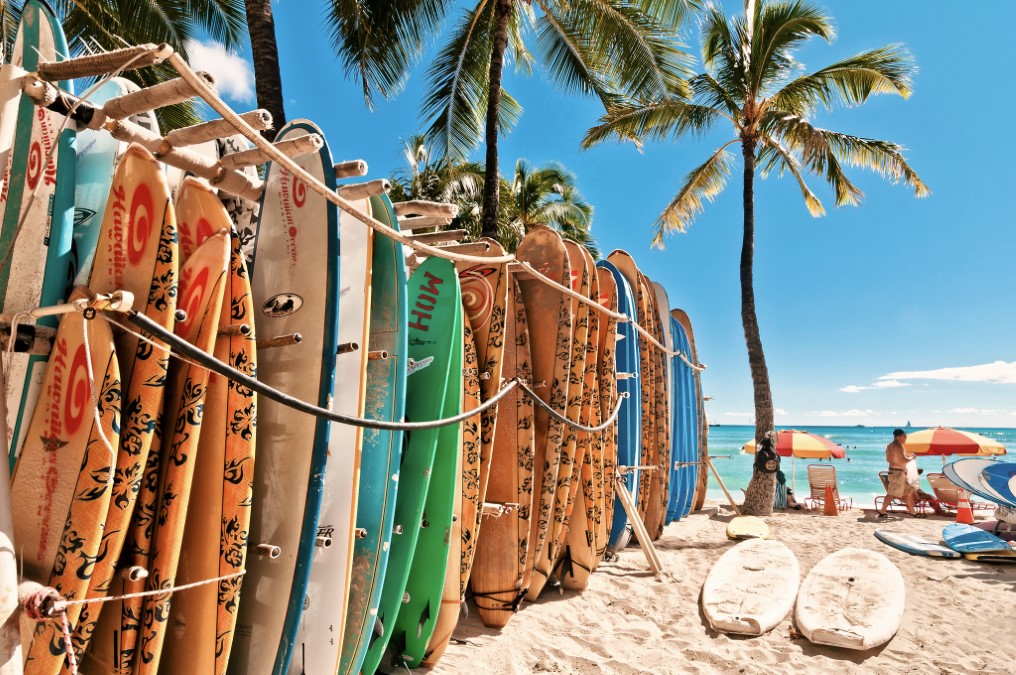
x=753, y=85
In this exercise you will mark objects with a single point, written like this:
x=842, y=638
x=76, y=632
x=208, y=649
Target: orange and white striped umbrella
x=794, y=443
x=944, y=441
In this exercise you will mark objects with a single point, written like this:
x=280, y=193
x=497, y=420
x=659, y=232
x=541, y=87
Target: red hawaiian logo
x=79, y=393
x=140, y=224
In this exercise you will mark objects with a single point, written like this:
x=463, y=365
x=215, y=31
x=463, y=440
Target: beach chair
x=819, y=476
x=920, y=505
x=948, y=493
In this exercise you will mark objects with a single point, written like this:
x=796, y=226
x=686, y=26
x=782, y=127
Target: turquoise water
x=858, y=477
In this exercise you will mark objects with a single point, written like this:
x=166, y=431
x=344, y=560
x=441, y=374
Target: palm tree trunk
x=758, y=498
x=491, y=177
x=265, y=51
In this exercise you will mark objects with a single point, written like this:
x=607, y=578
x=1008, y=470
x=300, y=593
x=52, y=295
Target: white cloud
x=855, y=412
x=780, y=411
x=881, y=384
x=853, y=388
x=234, y=75
x=964, y=410
x=999, y=372
x=739, y=414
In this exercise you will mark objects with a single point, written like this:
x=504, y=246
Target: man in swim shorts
x=899, y=487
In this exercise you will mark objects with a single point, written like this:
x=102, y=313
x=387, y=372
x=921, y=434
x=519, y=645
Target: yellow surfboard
x=218, y=516
x=606, y=363
x=203, y=279
x=62, y=482
x=136, y=252
x=747, y=527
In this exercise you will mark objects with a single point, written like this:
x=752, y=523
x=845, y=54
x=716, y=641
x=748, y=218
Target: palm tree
x=102, y=25
x=546, y=195
x=265, y=55
x=753, y=83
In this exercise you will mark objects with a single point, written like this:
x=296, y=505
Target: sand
x=960, y=615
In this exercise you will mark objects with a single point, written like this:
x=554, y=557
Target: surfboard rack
x=93, y=65
x=441, y=236
x=355, y=168
x=723, y=487
x=635, y=521
x=195, y=134
x=377, y=355
x=270, y=551
x=135, y=573
x=347, y=348
x=28, y=339
x=371, y=188
x=280, y=341
x=235, y=329
x=496, y=510
x=293, y=147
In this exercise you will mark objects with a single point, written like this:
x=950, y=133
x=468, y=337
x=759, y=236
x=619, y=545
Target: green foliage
x=753, y=82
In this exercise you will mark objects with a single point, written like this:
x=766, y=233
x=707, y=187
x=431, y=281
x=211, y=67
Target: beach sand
x=960, y=615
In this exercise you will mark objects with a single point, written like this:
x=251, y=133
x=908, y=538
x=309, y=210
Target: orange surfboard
x=605, y=351
x=661, y=476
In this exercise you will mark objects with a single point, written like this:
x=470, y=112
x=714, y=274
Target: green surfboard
x=435, y=309
x=418, y=616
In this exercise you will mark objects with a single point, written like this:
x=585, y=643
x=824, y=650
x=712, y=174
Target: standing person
x=900, y=486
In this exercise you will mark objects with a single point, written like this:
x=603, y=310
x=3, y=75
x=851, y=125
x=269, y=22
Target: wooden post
x=645, y=541
x=719, y=480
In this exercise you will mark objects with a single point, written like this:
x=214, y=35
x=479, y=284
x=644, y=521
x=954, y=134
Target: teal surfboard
x=295, y=286
x=434, y=301
x=382, y=450
x=35, y=266
x=418, y=615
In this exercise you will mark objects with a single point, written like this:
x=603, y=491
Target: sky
x=899, y=310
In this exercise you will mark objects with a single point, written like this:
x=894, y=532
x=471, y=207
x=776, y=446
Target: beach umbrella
x=944, y=441
x=794, y=443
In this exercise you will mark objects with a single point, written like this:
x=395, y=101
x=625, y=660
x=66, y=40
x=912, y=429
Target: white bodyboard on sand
x=853, y=599
x=751, y=588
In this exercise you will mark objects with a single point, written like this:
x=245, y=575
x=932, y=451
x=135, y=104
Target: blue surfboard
x=629, y=421
x=966, y=472
x=970, y=539
x=914, y=545
x=999, y=476
x=687, y=429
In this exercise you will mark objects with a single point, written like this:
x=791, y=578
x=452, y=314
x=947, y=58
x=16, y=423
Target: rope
x=290, y=165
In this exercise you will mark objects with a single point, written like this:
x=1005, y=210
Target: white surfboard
x=319, y=640
x=751, y=588
x=853, y=599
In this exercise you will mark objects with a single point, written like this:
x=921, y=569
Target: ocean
x=857, y=475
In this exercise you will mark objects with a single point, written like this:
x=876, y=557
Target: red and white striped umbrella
x=944, y=441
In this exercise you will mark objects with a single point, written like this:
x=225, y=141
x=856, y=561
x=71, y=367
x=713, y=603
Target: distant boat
x=908, y=424
x=859, y=426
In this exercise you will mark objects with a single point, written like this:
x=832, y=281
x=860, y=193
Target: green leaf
x=705, y=182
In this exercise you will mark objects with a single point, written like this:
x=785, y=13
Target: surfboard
x=572, y=450
x=608, y=400
x=673, y=428
x=996, y=557
x=424, y=588
x=136, y=251
x=499, y=564
x=382, y=450
x=914, y=544
x=699, y=475
x=970, y=539
x=36, y=214
x=629, y=421
x=747, y=527
x=853, y=599
x=11, y=660
x=661, y=399
x=243, y=213
x=484, y=301
x=295, y=284
x=214, y=544
x=434, y=303
x=549, y=317
x=466, y=503
x=1001, y=478
x=318, y=641
x=204, y=278
x=751, y=588
x=966, y=473
x=60, y=489
x=98, y=154
x=687, y=411
x=578, y=548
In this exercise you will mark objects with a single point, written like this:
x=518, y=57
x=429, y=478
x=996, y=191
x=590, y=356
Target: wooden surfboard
x=674, y=486
x=61, y=485
x=661, y=476
x=467, y=503
x=434, y=303
x=425, y=585
x=295, y=283
x=650, y=506
x=608, y=398
x=318, y=641
x=571, y=460
x=218, y=516
x=36, y=213
x=629, y=422
x=484, y=302
x=243, y=213
x=577, y=556
x=500, y=562
x=204, y=278
x=382, y=450
x=699, y=474
x=136, y=251
x=549, y=316
x=11, y=660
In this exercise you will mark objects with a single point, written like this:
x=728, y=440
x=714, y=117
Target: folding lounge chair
x=948, y=493
x=920, y=505
x=820, y=475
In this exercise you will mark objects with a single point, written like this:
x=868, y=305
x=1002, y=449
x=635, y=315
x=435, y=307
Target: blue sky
x=861, y=310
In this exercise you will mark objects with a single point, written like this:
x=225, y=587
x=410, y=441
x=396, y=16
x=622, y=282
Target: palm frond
x=774, y=157
x=710, y=93
x=822, y=151
x=671, y=118
x=779, y=29
x=723, y=55
x=705, y=182
x=886, y=70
